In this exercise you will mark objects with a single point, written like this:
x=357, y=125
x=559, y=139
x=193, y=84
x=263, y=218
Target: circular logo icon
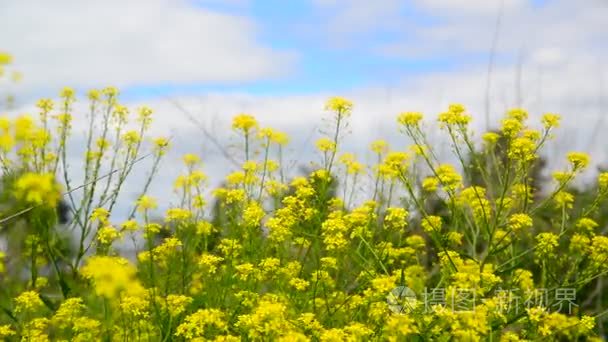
x=401, y=299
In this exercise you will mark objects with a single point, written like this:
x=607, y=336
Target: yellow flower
x=6, y=330
x=100, y=215
x=352, y=165
x=145, y=203
x=244, y=122
x=550, y=120
x=279, y=138
x=45, y=105
x=176, y=304
x=448, y=177
x=5, y=124
x=455, y=238
x=517, y=114
x=326, y=145
x=269, y=266
x=333, y=230
x=562, y=177
x=109, y=275
x=586, y=324
x=28, y=302
x=564, y=199
x=598, y=251
x=151, y=229
x=586, y=224
x=399, y=327
x=144, y=115
x=196, y=324
x=250, y=166
x=24, y=125
x=160, y=145
x=396, y=162
x=430, y=184
x=36, y=330
x=68, y=311
x=191, y=160
x=579, y=243
x=475, y=198
x=299, y=284
x=410, y=118
x=204, y=228
x=110, y=92
x=120, y=113
x=396, y=218
x=517, y=222
x=67, y=93
x=37, y=189
x=531, y=134
x=6, y=143
x=64, y=119
x=269, y=134
x=546, y=244
x=209, y=262
x=333, y=335
x=94, y=95
x=454, y=116
x=522, y=149
x=381, y=285
x=86, y=329
x=511, y=127
x=491, y=138
x=5, y=58
x=130, y=225
x=245, y=271
x=166, y=250
x=431, y=224
x=602, y=181
x=268, y=319
x=177, y=214
x=2, y=267
x=415, y=241
x=132, y=138
x=340, y=105
x=379, y=146
x=578, y=160
x=253, y=214
x=523, y=279
x=135, y=306
x=107, y=234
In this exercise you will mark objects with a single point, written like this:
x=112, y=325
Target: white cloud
x=470, y=6
x=345, y=18
x=136, y=42
x=465, y=28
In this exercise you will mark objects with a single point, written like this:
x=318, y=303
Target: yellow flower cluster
x=333, y=254
x=244, y=122
x=109, y=275
x=37, y=189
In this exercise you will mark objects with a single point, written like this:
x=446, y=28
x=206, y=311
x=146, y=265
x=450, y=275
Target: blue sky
x=152, y=48
x=327, y=63
x=322, y=65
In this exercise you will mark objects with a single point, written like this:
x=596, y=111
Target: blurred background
x=199, y=63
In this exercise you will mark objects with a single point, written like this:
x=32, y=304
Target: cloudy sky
x=281, y=59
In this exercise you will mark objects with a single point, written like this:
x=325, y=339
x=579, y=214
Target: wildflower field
x=483, y=249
